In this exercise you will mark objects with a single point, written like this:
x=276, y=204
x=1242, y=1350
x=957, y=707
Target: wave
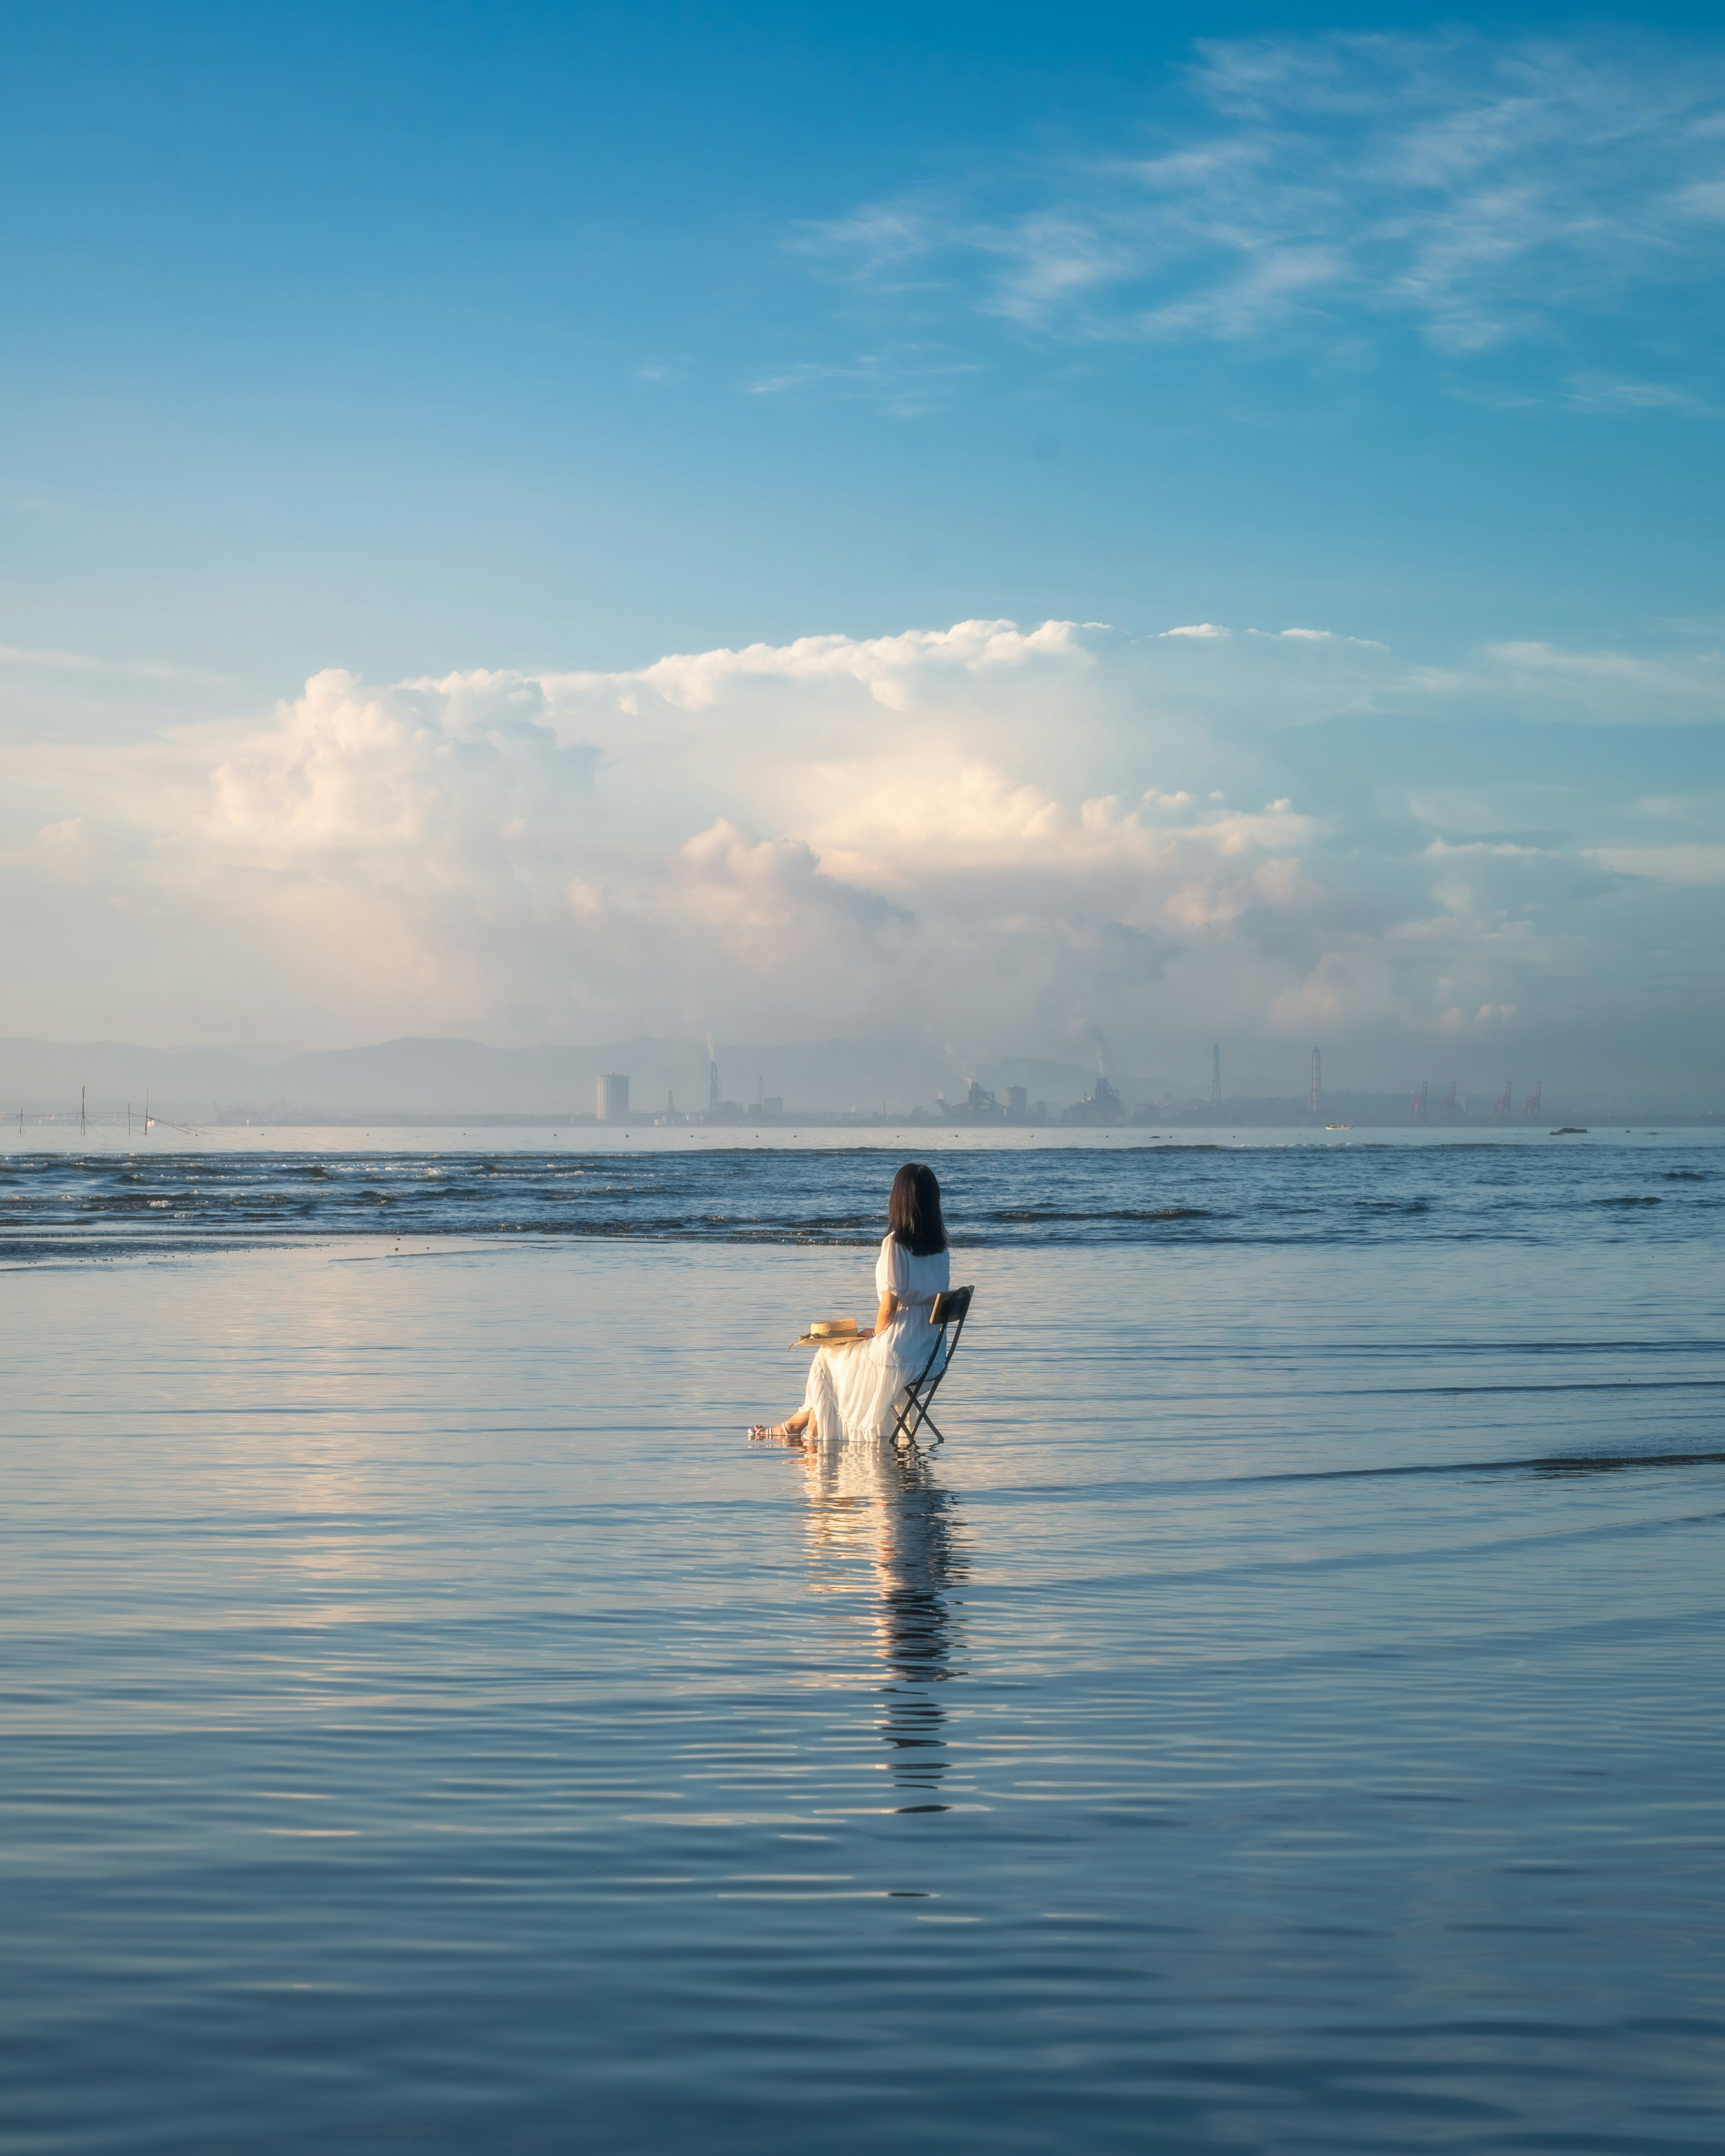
x=1145, y=1196
x=1035, y=1214
x=1563, y=1463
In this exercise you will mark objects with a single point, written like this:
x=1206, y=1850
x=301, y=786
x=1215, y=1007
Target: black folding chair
x=949, y=1310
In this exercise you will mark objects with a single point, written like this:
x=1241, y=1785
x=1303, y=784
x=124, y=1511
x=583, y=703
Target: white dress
x=851, y=1391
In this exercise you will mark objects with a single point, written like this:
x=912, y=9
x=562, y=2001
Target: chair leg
x=910, y=1418
x=925, y=1400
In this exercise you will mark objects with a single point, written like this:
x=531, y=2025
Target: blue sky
x=412, y=342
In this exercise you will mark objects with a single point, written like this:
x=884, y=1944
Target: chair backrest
x=947, y=1314
x=952, y=1307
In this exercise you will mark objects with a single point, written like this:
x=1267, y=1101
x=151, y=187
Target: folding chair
x=950, y=1309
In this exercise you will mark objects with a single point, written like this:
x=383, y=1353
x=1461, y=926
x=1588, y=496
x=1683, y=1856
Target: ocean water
x=1285, y=1712
x=1117, y=1188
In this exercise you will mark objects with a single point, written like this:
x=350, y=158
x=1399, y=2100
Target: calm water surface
x=1285, y=1714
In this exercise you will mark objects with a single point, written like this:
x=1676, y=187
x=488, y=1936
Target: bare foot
x=780, y=1433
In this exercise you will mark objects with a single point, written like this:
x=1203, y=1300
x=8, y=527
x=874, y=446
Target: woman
x=852, y=1389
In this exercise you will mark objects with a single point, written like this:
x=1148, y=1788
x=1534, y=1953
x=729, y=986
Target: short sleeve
x=892, y=1271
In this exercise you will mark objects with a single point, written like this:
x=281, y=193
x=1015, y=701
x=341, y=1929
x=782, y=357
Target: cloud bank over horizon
x=1059, y=840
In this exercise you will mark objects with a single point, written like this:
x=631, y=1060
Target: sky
x=1074, y=538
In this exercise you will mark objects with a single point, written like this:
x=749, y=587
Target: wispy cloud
x=1683, y=865
x=26, y=656
x=1600, y=392
x=907, y=380
x=1615, y=684
x=1320, y=636
x=1478, y=189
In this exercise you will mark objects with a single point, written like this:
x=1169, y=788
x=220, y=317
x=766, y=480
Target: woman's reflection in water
x=871, y=1501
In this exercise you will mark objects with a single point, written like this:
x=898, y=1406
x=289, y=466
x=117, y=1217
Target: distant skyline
x=1053, y=539
x=392, y=1083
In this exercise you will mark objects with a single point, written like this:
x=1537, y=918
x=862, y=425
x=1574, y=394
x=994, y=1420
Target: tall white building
x=614, y=1098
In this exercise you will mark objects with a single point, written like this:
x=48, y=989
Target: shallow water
x=1285, y=1713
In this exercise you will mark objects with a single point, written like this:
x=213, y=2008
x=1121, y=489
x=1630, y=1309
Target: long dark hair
x=914, y=1211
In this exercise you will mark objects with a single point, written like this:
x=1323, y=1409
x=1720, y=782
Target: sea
x=1281, y=1708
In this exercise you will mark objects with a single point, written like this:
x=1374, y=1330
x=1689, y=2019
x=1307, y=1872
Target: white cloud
x=1011, y=834
x=1602, y=393
x=26, y=656
x=1319, y=636
x=1476, y=188
x=1442, y=850
x=1552, y=682
x=800, y=837
x=1613, y=684
x=907, y=378
x=884, y=664
x=1685, y=864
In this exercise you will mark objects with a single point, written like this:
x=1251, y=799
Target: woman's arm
x=891, y=1261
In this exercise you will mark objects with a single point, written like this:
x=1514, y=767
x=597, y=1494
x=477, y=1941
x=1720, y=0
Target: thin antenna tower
x=1216, y=1072
x=1317, y=1099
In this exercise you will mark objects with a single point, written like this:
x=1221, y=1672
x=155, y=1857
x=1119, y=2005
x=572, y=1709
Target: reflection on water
x=881, y=1506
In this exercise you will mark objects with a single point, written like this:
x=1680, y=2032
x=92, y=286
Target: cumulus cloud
x=1006, y=836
